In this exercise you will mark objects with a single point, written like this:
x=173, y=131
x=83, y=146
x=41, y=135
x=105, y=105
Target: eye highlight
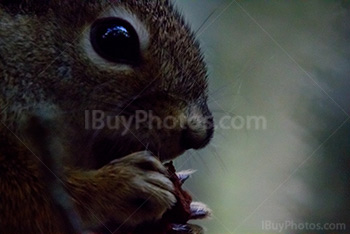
x=115, y=40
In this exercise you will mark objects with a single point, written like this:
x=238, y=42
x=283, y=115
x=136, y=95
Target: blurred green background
x=288, y=62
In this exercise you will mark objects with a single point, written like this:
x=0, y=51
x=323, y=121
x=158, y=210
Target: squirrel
x=60, y=60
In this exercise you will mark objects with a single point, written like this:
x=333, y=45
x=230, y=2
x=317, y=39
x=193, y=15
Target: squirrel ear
x=20, y=6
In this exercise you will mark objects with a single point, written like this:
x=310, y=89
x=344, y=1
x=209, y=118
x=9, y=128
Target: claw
x=181, y=228
x=199, y=211
x=184, y=175
x=186, y=229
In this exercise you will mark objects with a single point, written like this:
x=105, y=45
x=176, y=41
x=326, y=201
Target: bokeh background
x=287, y=61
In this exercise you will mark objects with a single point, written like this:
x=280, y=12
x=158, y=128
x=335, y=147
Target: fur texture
x=45, y=68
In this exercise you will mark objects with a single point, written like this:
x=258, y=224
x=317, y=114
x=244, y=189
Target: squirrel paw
x=139, y=188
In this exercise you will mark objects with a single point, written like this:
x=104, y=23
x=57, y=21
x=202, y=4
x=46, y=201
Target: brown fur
x=44, y=68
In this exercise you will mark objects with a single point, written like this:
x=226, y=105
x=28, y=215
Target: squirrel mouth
x=106, y=150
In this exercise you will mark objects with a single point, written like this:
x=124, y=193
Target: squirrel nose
x=198, y=132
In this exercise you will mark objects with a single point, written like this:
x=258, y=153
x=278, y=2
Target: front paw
x=137, y=188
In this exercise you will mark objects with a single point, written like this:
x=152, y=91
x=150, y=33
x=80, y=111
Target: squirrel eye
x=116, y=40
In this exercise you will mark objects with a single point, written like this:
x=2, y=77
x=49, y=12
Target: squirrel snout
x=199, y=130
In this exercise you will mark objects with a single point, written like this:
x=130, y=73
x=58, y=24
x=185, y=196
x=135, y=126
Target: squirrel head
x=133, y=67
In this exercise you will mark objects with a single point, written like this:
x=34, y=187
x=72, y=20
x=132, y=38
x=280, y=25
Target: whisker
x=200, y=158
x=213, y=149
x=206, y=20
x=224, y=112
